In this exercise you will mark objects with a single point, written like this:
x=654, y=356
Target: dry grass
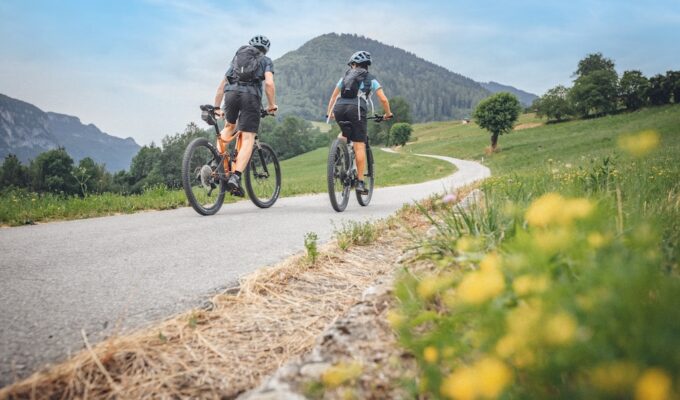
x=223, y=351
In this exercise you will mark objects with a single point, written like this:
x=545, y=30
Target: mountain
x=27, y=131
x=525, y=98
x=305, y=79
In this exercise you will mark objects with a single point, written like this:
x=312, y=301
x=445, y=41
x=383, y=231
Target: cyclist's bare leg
x=226, y=134
x=243, y=157
x=360, y=154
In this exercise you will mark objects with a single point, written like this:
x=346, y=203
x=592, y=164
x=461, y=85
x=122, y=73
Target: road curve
x=112, y=274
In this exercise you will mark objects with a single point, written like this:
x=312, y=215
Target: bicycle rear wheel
x=369, y=179
x=201, y=170
x=339, y=181
x=263, y=177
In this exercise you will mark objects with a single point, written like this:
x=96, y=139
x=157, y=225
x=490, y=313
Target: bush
x=400, y=133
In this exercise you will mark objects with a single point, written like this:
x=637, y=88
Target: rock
x=314, y=370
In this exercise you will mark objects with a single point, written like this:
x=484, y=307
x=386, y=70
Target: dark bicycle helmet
x=260, y=41
x=360, y=57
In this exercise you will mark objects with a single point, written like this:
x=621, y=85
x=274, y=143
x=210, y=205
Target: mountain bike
x=206, y=169
x=342, y=171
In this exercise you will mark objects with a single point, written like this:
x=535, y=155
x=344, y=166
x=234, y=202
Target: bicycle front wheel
x=263, y=177
x=339, y=181
x=369, y=179
x=201, y=170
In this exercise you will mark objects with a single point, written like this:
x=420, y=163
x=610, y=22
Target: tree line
x=598, y=91
x=55, y=171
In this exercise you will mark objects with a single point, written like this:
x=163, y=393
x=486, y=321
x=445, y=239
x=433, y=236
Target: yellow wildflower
x=654, y=384
x=487, y=378
x=493, y=376
x=507, y=346
x=491, y=262
x=430, y=354
x=614, y=377
x=341, y=373
x=427, y=287
x=552, y=208
x=460, y=385
x=478, y=287
x=527, y=284
x=576, y=209
x=640, y=144
x=596, y=240
x=560, y=329
x=522, y=320
x=395, y=318
x=545, y=210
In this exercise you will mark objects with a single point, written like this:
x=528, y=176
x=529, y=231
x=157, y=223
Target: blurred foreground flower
x=485, y=284
x=486, y=379
x=640, y=144
x=341, y=373
x=552, y=208
x=449, y=198
x=654, y=384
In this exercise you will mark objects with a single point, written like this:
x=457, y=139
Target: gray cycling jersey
x=266, y=64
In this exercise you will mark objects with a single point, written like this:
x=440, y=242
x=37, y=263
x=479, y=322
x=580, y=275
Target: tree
x=497, y=114
x=592, y=63
x=554, y=104
x=400, y=133
x=170, y=160
x=659, y=90
x=13, y=173
x=633, y=89
x=52, y=172
x=673, y=79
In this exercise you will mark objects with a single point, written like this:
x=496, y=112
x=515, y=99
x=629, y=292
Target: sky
x=141, y=68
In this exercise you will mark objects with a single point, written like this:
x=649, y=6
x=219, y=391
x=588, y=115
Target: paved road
x=122, y=272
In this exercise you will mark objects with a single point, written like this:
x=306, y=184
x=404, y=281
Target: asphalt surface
x=113, y=274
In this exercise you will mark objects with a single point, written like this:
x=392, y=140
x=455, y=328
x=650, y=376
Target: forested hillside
x=305, y=79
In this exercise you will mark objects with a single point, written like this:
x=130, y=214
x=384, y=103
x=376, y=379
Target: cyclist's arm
x=270, y=90
x=336, y=93
x=385, y=103
x=220, y=93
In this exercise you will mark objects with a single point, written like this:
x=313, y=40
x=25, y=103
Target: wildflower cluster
x=551, y=288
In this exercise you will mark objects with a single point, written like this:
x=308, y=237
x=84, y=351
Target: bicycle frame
x=229, y=158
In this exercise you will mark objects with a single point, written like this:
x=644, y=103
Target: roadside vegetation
x=301, y=175
x=562, y=282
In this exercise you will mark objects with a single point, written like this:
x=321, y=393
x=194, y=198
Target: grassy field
x=307, y=173
x=564, y=283
x=300, y=175
x=566, y=142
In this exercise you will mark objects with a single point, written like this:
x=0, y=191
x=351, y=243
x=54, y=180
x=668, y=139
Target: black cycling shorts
x=352, y=127
x=244, y=107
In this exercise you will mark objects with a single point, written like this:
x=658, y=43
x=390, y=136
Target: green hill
x=305, y=79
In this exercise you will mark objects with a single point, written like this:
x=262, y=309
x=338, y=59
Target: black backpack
x=246, y=64
x=351, y=82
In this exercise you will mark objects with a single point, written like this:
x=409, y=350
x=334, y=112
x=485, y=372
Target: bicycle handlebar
x=378, y=118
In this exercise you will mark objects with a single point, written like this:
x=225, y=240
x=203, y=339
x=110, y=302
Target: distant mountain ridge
x=305, y=79
x=27, y=131
x=525, y=98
